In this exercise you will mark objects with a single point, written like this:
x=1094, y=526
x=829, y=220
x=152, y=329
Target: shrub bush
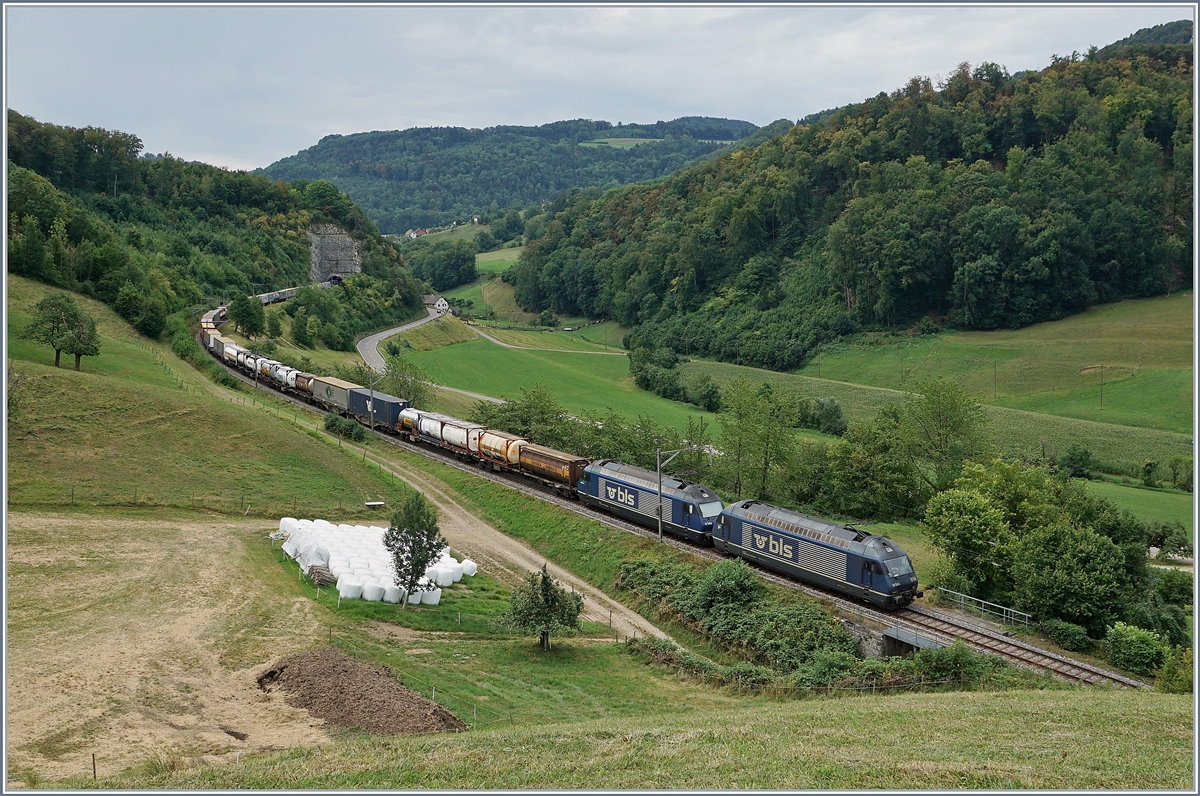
x=345, y=427
x=1069, y=636
x=1174, y=585
x=1175, y=676
x=1133, y=649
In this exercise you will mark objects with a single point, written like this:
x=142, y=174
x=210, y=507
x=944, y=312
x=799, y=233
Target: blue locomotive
x=688, y=510
x=853, y=562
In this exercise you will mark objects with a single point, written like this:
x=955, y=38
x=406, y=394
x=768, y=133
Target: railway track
x=938, y=626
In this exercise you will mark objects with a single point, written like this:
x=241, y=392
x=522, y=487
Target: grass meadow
x=1012, y=429
x=1142, y=348
x=580, y=382
x=1011, y=741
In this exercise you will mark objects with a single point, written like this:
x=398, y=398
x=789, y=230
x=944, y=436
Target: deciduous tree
x=81, y=339
x=54, y=318
x=414, y=541
x=543, y=606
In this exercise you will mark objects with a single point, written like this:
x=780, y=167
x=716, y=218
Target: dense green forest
x=152, y=237
x=431, y=176
x=991, y=200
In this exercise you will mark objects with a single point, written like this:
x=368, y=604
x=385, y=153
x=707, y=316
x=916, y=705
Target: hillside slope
x=989, y=201
x=154, y=237
x=430, y=176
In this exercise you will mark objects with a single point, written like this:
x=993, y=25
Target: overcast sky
x=244, y=86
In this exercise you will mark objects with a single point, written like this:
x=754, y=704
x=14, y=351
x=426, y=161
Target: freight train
x=849, y=560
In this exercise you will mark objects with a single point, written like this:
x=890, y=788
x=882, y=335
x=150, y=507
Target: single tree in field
x=413, y=541
x=81, y=339
x=405, y=379
x=53, y=319
x=543, y=606
x=274, y=326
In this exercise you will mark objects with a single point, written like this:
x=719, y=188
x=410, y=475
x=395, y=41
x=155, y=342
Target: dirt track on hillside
x=508, y=560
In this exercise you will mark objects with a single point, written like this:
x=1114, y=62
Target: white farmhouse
x=437, y=302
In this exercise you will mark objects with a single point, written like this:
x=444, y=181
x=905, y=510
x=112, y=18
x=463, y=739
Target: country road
x=368, y=347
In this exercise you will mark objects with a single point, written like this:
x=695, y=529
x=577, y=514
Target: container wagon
x=560, y=470
x=331, y=393
x=386, y=408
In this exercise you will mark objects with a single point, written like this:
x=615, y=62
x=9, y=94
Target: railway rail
x=938, y=626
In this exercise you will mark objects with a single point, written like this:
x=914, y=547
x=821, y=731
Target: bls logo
x=620, y=494
x=775, y=546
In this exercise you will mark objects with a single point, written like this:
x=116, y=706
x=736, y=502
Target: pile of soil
x=349, y=694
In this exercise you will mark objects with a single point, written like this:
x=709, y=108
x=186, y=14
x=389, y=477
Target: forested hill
x=987, y=201
x=152, y=237
x=431, y=176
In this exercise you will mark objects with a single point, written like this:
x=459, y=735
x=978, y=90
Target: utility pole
x=658, y=454
x=995, y=382
x=1101, y=386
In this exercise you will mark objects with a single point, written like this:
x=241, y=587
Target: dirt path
x=130, y=636
x=509, y=560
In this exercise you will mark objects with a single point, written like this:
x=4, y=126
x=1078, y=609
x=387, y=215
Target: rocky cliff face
x=333, y=252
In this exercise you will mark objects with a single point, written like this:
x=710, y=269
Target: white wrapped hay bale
x=349, y=588
x=288, y=524
x=431, y=597
x=445, y=576
x=456, y=572
x=372, y=591
x=469, y=567
x=391, y=594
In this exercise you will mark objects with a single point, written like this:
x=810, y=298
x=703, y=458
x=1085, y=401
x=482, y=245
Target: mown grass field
x=580, y=382
x=1148, y=505
x=619, y=143
x=1142, y=347
x=446, y=330
x=1011, y=429
x=548, y=339
x=1022, y=740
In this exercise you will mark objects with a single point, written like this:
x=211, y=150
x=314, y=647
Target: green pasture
x=461, y=232
x=618, y=143
x=1142, y=349
x=1055, y=740
x=1012, y=429
x=446, y=330
x=607, y=334
x=580, y=382
x=1148, y=505
x=499, y=261
x=550, y=339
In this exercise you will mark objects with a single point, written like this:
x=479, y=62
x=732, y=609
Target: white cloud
x=244, y=86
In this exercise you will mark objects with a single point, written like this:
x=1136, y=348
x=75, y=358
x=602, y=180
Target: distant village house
x=437, y=302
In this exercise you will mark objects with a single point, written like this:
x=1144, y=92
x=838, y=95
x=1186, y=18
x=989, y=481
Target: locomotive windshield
x=712, y=509
x=898, y=566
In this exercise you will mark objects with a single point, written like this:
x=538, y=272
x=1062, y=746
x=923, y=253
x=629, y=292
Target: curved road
x=368, y=347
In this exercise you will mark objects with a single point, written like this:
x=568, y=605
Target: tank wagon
x=688, y=510
x=854, y=562
x=816, y=551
